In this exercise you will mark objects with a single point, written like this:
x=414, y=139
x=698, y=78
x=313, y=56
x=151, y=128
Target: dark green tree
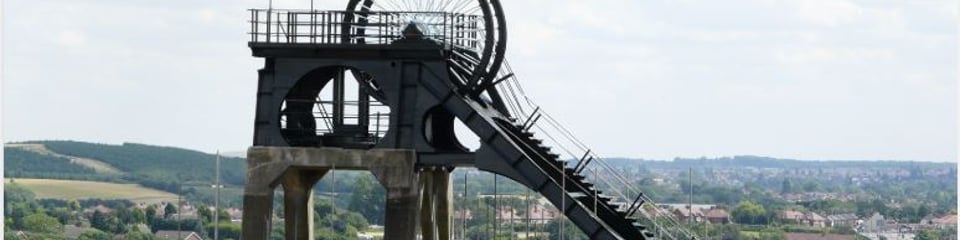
x=151, y=214
x=124, y=215
x=368, y=199
x=169, y=210
x=570, y=231
x=928, y=235
x=99, y=221
x=787, y=186
x=94, y=234
x=139, y=216
x=140, y=236
x=747, y=212
x=41, y=223
x=205, y=214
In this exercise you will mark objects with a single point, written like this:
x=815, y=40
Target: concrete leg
x=403, y=196
x=401, y=216
x=444, y=207
x=298, y=202
x=262, y=174
x=298, y=169
x=257, y=215
x=428, y=226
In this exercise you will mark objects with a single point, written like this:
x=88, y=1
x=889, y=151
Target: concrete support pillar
x=444, y=204
x=436, y=219
x=298, y=169
x=298, y=202
x=401, y=215
x=403, y=197
x=258, y=195
x=257, y=215
x=428, y=225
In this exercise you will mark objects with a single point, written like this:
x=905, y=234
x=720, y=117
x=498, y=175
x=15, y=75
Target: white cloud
x=833, y=55
x=827, y=12
x=71, y=38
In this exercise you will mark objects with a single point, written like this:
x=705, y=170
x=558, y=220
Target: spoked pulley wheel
x=473, y=30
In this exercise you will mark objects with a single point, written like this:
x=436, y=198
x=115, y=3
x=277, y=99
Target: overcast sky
x=655, y=79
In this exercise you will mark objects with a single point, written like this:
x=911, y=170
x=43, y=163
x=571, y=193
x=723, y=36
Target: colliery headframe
x=379, y=86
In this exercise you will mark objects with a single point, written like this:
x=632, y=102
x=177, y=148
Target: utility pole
x=179, y=203
x=496, y=208
x=690, y=199
x=216, y=202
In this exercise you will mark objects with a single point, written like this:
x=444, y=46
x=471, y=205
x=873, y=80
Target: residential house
x=236, y=214
x=507, y=214
x=162, y=208
x=814, y=219
x=874, y=223
x=465, y=214
x=846, y=219
x=698, y=207
x=88, y=213
x=717, y=216
x=178, y=235
x=948, y=221
x=790, y=217
x=686, y=214
x=540, y=214
x=818, y=236
x=186, y=212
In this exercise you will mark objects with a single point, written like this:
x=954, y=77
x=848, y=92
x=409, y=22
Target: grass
x=71, y=189
x=750, y=234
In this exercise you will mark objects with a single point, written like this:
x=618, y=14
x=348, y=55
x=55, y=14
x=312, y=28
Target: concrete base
x=412, y=197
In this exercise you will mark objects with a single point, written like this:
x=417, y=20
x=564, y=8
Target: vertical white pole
x=179, y=203
x=216, y=204
x=690, y=200
x=333, y=187
x=496, y=208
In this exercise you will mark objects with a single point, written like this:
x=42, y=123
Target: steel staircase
x=574, y=182
x=594, y=196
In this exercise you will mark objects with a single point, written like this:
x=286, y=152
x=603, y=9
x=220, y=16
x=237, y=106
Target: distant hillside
x=769, y=162
x=20, y=163
x=152, y=166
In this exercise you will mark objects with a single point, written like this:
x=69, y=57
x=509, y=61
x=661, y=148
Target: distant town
x=743, y=197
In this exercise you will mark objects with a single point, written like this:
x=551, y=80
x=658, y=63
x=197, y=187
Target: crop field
x=71, y=189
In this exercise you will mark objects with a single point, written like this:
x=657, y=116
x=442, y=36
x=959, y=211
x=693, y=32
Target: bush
x=41, y=223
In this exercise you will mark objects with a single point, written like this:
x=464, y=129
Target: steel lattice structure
x=412, y=69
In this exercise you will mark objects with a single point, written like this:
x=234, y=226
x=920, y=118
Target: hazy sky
x=656, y=79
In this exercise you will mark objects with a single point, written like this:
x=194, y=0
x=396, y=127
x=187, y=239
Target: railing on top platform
x=327, y=27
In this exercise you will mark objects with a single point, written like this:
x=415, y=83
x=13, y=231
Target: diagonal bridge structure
x=379, y=86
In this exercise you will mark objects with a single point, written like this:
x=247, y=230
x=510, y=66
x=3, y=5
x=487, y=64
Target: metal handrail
x=381, y=27
x=520, y=105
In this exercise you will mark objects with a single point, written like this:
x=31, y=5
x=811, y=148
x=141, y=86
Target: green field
x=70, y=189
